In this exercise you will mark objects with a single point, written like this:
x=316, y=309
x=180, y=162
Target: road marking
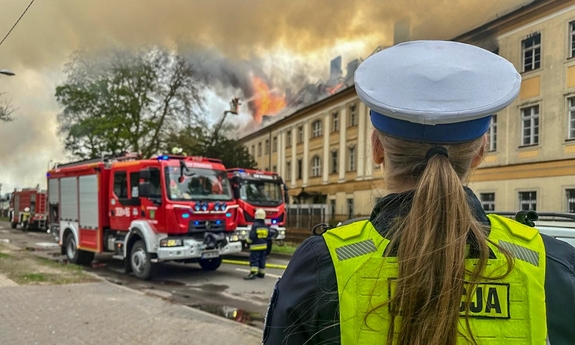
x=267, y=274
x=246, y=263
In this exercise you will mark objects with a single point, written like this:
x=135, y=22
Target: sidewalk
x=105, y=313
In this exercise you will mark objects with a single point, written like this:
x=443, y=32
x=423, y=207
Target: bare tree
x=6, y=110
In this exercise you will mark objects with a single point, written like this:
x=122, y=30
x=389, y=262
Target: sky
x=286, y=42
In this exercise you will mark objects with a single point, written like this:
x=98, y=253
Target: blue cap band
x=449, y=133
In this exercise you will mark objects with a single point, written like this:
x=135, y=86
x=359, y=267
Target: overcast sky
x=286, y=40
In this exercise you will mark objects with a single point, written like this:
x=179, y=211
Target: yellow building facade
x=322, y=151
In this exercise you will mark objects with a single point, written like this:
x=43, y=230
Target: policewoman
x=429, y=266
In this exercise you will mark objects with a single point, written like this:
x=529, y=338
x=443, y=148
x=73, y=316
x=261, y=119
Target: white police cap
x=435, y=91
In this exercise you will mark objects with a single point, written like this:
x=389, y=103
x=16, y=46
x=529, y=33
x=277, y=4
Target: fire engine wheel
x=74, y=255
x=211, y=264
x=140, y=261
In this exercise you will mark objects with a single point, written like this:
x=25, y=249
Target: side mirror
x=145, y=175
x=144, y=190
x=181, y=179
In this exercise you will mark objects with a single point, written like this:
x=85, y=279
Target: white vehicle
x=557, y=225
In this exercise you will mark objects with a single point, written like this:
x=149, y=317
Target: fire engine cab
x=145, y=211
x=32, y=199
x=255, y=189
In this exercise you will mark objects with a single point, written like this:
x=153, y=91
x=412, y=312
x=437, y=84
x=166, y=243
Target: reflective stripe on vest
x=503, y=311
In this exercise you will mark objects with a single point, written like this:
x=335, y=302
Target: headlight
x=282, y=232
x=171, y=242
x=233, y=238
x=243, y=232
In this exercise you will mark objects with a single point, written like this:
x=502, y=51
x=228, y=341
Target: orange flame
x=266, y=102
x=332, y=90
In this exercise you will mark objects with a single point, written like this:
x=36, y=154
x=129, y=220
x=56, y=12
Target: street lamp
x=7, y=72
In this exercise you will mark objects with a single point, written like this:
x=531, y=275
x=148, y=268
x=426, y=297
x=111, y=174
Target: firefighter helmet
x=260, y=213
x=27, y=209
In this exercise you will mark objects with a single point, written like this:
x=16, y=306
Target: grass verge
x=26, y=269
x=286, y=248
x=4, y=219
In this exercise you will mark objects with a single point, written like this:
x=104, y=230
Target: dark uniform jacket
x=304, y=306
x=255, y=239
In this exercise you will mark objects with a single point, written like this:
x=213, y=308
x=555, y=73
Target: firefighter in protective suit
x=258, y=239
x=26, y=215
x=429, y=266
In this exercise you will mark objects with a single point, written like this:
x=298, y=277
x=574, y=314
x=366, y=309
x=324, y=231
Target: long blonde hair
x=431, y=241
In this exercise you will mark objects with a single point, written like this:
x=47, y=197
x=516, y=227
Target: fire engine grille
x=207, y=225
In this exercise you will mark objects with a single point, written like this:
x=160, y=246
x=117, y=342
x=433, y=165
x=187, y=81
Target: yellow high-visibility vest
x=504, y=311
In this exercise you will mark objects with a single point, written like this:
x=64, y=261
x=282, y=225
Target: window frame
x=570, y=200
x=493, y=133
x=570, y=118
x=316, y=129
x=352, y=115
x=335, y=121
x=534, y=125
x=352, y=153
x=316, y=166
x=529, y=201
x=487, y=202
x=535, y=50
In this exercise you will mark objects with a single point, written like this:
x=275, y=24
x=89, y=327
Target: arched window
x=315, y=166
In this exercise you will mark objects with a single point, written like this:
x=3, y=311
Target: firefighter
x=429, y=266
x=258, y=239
x=26, y=218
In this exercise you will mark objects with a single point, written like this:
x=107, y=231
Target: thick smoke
x=287, y=43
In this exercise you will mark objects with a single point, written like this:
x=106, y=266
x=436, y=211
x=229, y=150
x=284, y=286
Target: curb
x=249, y=329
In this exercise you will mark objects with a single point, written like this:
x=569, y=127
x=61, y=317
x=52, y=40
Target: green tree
x=127, y=100
x=199, y=141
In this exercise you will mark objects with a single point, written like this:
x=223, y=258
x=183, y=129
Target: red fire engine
x=255, y=189
x=167, y=208
x=35, y=200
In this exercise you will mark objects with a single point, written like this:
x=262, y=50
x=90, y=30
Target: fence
x=301, y=218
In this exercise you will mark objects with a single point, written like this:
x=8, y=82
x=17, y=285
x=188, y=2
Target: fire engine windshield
x=262, y=193
x=198, y=184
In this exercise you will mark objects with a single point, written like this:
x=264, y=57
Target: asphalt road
x=223, y=292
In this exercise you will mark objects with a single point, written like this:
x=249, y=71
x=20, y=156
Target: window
x=267, y=147
x=335, y=122
x=315, y=166
x=288, y=135
x=351, y=152
x=352, y=115
x=316, y=129
x=275, y=168
x=134, y=182
x=299, y=169
x=350, y=211
x=570, y=193
x=571, y=117
x=121, y=184
x=288, y=171
x=253, y=150
x=572, y=39
x=332, y=207
x=275, y=144
x=493, y=133
x=528, y=201
x=531, y=52
x=487, y=201
x=259, y=149
x=530, y=125
x=300, y=134
x=334, y=162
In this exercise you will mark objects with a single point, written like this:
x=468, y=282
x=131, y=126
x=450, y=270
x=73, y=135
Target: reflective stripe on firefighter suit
x=511, y=310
